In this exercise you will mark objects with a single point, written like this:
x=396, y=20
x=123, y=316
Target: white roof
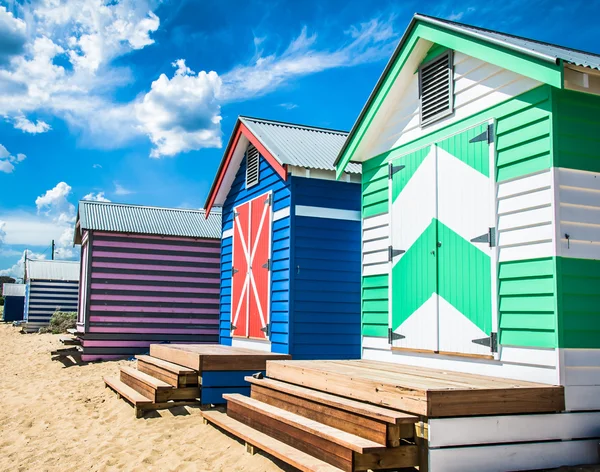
x=53, y=270
x=13, y=290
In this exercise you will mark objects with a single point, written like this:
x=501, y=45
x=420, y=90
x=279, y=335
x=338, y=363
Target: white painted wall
x=375, y=241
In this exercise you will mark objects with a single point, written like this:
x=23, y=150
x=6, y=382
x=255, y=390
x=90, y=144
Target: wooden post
x=250, y=449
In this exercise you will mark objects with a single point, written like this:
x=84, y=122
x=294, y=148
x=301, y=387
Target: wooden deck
x=426, y=392
x=214, y=357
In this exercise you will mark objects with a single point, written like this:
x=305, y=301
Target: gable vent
x=252, y=166
x=436, y=88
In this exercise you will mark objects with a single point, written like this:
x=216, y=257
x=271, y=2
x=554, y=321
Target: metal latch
x=489, y=237
x=232, y=327
x=266, y=330
x=267, y=265
x=491, y=341
x=269, y=199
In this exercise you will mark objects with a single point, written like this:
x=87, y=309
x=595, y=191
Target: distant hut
x=149, y=275
x=50, y=286
x=14, y=302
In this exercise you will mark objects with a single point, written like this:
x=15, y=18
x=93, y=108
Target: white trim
x=371, y=342
x=323, y=174
x=528, y=355
x=228, y=233
x=255, y=344
x=526, y=456
x=582, y=397
x=444, y=432
x=281, y=213
x=332, y=213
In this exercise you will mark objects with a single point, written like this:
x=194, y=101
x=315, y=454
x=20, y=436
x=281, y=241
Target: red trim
x=240, y=129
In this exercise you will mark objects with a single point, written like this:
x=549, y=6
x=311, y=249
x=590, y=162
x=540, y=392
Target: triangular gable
x=424, y=32
x=232, y=160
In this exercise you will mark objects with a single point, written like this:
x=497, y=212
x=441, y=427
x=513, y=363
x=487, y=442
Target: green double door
x=443, y=255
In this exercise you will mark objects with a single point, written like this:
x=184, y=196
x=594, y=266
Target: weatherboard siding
x=325, y=296
x=45, y=297
x=147, y=289
x=269, y=180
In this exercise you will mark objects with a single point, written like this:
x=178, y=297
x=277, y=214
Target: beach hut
x=50, y=286
x=290, y=252
x=14, y=302
x=148, y=275
x=481, y=232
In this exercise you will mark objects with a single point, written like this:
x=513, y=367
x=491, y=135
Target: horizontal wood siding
x=269, y=180
x=147, y=289
x=47, y=297
x=13, y=308
x=326, y=273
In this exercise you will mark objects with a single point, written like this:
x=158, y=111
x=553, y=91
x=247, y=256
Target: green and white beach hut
x=481, y=230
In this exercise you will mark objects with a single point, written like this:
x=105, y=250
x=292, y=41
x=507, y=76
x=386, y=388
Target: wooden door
x=240, y=271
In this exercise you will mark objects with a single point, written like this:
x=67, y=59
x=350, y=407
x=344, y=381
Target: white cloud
x=30, y=229
x=22, y=123
x=55, y=204
x=96, y=166
x=182, y=113
x=8, y=160
x=17, y=270
x=13, y=35
x=288, y=106
x=120, y=190
x=2, y=232
x=96, y=197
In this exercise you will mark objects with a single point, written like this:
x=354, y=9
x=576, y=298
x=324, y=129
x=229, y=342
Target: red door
x=251, y=268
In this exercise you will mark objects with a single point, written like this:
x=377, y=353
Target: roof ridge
x=134, y=205
x=295, y=125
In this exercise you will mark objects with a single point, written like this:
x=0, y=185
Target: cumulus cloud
x=2, y=232
x=17, y=270
x=182, y=113
x=120, y=190
x=96, y=197
x=13, y=35
x=22, y=123
x=55, y=204
x=8, y=160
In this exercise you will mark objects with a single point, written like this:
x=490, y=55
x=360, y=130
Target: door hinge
x=234, y=271
x=487, y=135
x=235, y=214
x=269, y=200
x=266, y=330
x=394, y=252
x=232, y=327
x=267, y=265
x=489, y=237
x=394, y=336
x=392, y=169
x=491, y=341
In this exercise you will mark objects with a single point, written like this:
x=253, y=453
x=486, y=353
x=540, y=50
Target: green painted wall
x=577, y=130
x=375, y=305
x=579, y=303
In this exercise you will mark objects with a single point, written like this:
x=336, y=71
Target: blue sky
x=133, y=100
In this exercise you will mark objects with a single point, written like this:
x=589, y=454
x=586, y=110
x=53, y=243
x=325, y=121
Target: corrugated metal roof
x=548, y=51
x=53, y=270
x=124, y=218
x=13, y=290
x=298, y=145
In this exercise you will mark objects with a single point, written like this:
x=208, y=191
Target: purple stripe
x=166, y=247
x=160, y=278
x=152, y=236
x=117, y=343
x=103, y=357
x=133, y=319
x=112, y=265
x=154, y=257
x=129, y=298
x=97, y=329
x=145, y=309
x=151, y=288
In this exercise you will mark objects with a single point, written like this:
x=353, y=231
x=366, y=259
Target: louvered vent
x=252, y=164
x=436, y=86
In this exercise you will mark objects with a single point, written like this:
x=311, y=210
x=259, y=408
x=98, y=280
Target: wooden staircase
x=317, y=431
x=156, y=384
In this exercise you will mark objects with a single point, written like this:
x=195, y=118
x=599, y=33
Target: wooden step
x=336, y=447
x=278, y=449
x=145, y=384
x=74, y=351
x=173, y=374
x=381, y=425
x=69, y=341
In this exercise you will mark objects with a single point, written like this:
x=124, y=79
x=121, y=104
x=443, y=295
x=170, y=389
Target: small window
x=436, y=88
x=252, y=166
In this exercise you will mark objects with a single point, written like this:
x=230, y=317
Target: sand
x=61, y=418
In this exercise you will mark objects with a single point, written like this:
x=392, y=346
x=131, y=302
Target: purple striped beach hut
x=148, y=275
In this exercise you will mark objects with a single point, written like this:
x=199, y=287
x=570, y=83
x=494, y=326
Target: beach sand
x=57, y=418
